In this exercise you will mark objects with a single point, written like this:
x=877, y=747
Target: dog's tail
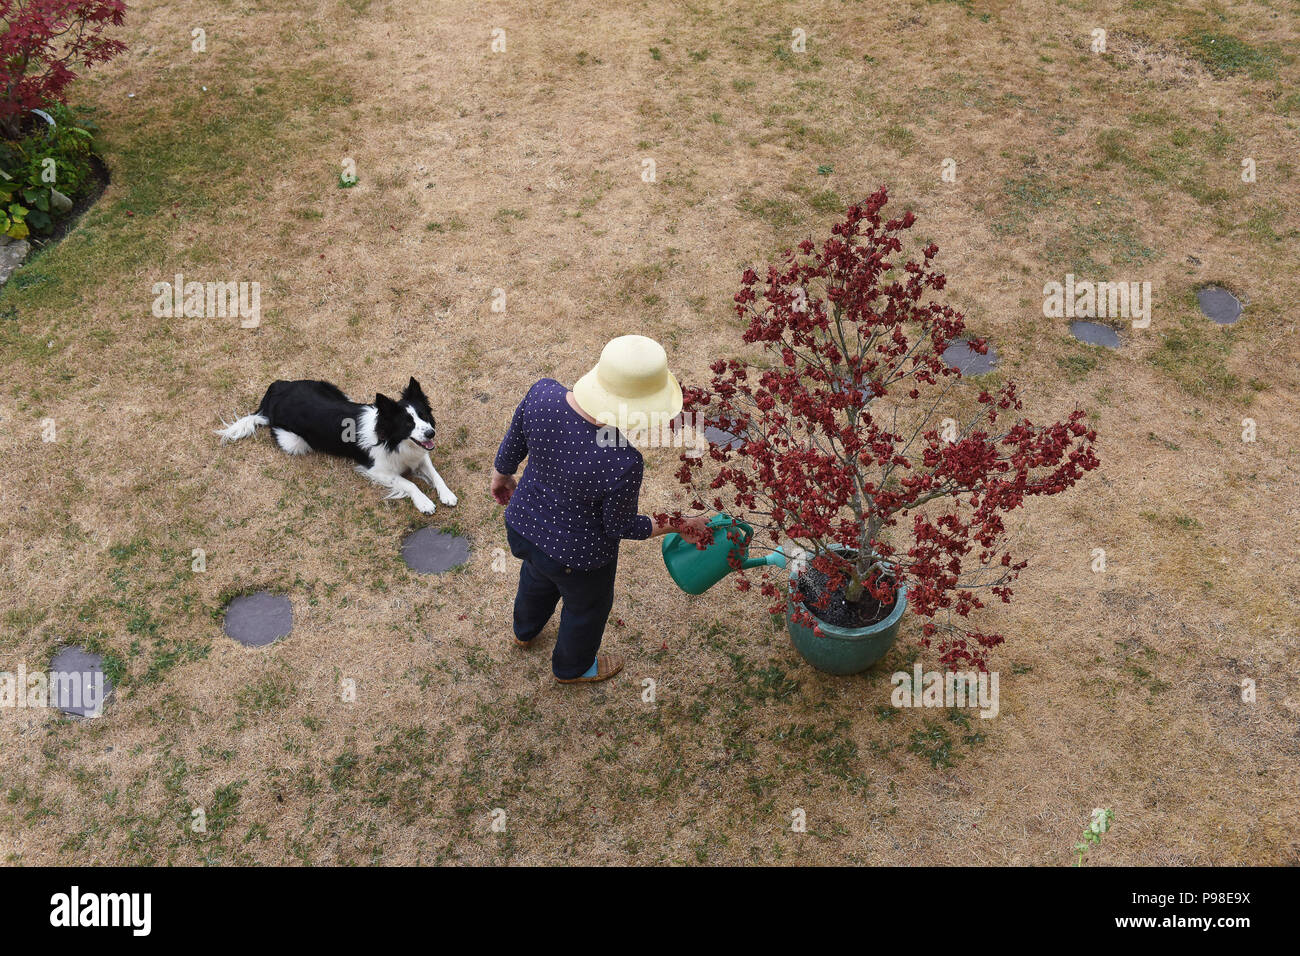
x=241, y=428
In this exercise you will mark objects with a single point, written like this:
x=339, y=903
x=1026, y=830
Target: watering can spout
x=776, y=559
x=695, y=570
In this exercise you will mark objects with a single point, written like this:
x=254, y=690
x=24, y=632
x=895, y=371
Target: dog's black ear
x=413, y=392
x=392, y=422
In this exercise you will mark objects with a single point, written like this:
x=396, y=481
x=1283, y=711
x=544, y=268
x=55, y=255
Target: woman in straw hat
x=577, y=499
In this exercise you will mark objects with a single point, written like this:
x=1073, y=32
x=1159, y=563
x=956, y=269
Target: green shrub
x=34, y=167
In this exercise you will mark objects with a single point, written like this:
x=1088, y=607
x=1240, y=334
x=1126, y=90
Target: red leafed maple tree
x=42, y=41
x=837, y=445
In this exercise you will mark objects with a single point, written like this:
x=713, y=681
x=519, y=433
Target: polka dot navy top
x=578, y=496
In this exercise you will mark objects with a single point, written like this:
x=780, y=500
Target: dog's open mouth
x=426, y=445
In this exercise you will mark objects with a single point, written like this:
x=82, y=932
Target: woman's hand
x=503, y=486
x=696, y=530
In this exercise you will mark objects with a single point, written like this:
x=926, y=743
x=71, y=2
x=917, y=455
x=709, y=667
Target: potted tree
x=856, y=449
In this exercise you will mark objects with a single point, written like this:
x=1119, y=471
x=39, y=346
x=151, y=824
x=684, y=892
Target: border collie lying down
x=386, y=439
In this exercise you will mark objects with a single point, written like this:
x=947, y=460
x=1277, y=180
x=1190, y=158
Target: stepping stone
x=256, y=620
x=1095, y=333
x=77, y=682
x=961, y=356
x=1219, y=304
x=430, y=551
x=716, y=436
x=12, y=254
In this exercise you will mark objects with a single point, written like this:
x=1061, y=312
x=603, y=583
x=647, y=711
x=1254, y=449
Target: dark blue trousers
x=588, y=597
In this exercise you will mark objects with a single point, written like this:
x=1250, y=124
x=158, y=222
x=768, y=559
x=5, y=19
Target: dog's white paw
x=447, y=498
x=424, y=505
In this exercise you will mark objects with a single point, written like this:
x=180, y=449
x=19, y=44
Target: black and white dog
x=387, y=439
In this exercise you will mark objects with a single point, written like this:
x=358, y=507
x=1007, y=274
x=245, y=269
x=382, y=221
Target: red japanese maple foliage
x=837, y=445
x=41, y=42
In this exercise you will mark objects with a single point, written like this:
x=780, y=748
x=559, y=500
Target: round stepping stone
x=1219, y=304
x=256, y=620
x=430, y=551
x=716, y=436
x=961, y=356
x=1095, y=333
x=77, y=682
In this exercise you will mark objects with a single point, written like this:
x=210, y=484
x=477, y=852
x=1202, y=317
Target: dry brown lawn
x=521, y=171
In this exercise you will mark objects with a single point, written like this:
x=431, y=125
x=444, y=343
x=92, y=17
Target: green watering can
x=695, y=571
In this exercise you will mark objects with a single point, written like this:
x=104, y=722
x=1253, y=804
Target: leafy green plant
x=1101, y=820
x=13, y=214
x=44, y=172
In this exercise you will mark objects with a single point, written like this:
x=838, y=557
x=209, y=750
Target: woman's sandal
x=607, y=665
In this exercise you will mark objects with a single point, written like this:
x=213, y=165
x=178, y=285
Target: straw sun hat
x=631, y=387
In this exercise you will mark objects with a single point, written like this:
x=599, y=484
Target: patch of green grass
x=1137, y=662
x=807, y=61
x=1193, y=355
x=966, y=5
x=933, y=743
x=1181, y=522
x=828, y=200
x=168, y=653
x=778, y=213
x=1026, y=196
x=25, y=618
x=342, y=773
x=171, y=161
x=1076, y=367
x=1093, y=248
x=451, y=224
x=772, y=682
x=225, y=801
x=269, y=692
x=1181, y=159
x=1226, y=55
x=899, y=138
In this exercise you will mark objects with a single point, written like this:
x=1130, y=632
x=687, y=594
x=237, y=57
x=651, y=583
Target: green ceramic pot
x=844, y=650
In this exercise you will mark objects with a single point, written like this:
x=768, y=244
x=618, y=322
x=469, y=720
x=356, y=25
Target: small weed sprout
x=1101, y=820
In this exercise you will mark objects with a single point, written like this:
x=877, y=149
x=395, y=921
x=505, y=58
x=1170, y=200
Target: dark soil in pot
x=864, y=612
